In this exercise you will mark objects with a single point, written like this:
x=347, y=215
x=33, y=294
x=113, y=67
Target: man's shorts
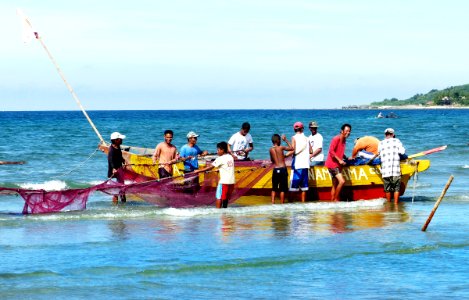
x=392, y=184
x=163, y=173
x=280, y=180
x=299, y=180
x=334, y=171
x=224, y=191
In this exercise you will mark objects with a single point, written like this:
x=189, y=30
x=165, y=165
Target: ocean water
x=347, y=250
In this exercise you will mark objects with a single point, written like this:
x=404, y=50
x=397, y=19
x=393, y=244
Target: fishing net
x=181, y=190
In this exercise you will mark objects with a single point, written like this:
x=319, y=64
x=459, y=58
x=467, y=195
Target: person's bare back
x=277, y=155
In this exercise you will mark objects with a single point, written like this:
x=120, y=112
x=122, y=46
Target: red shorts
x=224, y=191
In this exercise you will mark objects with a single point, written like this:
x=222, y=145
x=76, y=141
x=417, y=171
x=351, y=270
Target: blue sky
x=212, y=54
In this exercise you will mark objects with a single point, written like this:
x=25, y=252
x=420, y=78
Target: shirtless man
x=166, y=155
x=279, y=173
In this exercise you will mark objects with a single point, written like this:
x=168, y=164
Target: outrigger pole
x=28, y=26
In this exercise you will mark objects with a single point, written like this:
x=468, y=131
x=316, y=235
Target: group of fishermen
x=367, y=150
x=306, y=152
x=166, y=155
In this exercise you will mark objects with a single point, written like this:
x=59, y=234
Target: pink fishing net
x=190, y=190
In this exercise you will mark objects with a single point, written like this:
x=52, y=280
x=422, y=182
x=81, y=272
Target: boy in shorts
x=225, y=164
x=279, y=173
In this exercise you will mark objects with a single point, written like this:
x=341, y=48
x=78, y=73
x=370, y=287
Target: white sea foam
x=465, y=167
x=52, y=185
x=129, y=212
x=289, y=207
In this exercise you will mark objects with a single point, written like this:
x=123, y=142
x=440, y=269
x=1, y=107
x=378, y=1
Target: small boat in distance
x=391, y=115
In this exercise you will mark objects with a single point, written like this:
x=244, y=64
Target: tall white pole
x=29, y=26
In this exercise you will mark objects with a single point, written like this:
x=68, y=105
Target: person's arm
x=293, y=145
x=272, y=159
x=203, y=169
x=354, y=151
x=184, y=154
x=371, y=159
x=156, y=154
x=319, y=149
x=230, y=152
x=230, y=145
x=316, y=152
x=333, y=154
x=290, y=147
x=250, y=148
x=110, y=158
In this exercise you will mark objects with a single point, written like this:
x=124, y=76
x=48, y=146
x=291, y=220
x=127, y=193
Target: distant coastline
x=398, y=107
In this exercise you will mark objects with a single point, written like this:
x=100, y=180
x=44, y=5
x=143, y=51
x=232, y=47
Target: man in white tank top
x=300, y=163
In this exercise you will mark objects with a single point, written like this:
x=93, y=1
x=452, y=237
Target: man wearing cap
x=116, y=161
x=300, y=162
x=390, y=151
x=190, y=151
x=241, y=143
x=316, y=141
x=336, y=160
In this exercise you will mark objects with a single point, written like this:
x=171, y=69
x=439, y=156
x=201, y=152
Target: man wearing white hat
x=390, y=151
x=115, y=160
x=190, y=151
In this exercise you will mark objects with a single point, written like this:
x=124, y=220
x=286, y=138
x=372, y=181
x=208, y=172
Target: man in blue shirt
x=190, y=152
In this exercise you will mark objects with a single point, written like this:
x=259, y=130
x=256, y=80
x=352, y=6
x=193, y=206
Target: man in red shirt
x=336, y=160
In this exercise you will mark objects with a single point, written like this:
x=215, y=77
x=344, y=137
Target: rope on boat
x=78, y=166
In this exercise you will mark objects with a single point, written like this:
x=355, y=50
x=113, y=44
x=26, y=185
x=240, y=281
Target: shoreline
x=421, y=107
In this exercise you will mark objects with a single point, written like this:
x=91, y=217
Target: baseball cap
x=117, y=135
x=298, y=125
x=192, y=134
x=313, y=124
x=389, y=130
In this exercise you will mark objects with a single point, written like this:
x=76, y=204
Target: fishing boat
x=254, y=177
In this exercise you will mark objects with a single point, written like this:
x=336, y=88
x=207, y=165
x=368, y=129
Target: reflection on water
x=313, y=222
x=119, y=229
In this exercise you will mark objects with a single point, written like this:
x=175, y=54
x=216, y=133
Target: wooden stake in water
x=424, y=228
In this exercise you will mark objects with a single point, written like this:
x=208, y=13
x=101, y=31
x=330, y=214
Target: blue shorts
x=224, y=191
x=299, y=180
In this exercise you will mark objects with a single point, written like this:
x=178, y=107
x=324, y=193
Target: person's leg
x=334, y=184
x=388, y=196
x=396, y=197
x=303, y=196
x=282, y=197
x=340, y=184
x=218, y=195
x=121, y=194
x=273, y=196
